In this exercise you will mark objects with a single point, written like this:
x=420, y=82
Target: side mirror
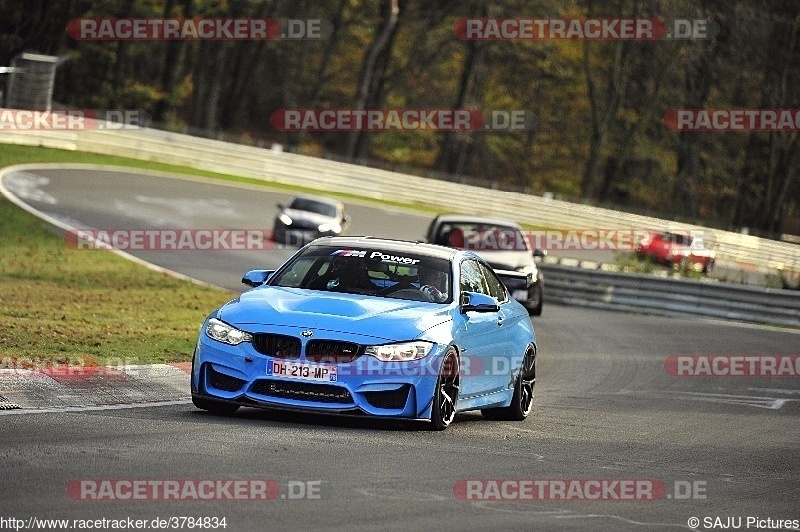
x=472, y=302
x=257, y=277
x=280, y=206
x=539, y=253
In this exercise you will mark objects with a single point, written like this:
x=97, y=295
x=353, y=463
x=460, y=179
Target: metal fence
x=288, y=168
x=632, y=292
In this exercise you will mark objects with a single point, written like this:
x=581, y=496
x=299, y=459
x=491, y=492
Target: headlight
x=330, y=227
x=222, y=332
x=285, y=220
x=399, y=352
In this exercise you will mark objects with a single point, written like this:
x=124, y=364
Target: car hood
x=376, y=317
x=507, y=260
x=308, y=216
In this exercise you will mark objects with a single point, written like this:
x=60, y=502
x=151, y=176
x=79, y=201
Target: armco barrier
x=212, y=155
x=634, y=292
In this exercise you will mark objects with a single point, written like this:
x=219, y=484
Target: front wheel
x=534, y=304
x=522, y=401
x=445, y=397
x=215, y=407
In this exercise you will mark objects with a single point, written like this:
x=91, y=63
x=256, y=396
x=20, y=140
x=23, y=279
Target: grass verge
x=630, y=262
x=62, y=307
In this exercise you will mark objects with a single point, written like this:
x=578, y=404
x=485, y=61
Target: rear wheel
x=522, y=401
x=445, y=397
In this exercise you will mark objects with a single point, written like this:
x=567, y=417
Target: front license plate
x=305, y=372
x=520, y=295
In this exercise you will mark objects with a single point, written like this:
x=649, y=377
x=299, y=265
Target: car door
x=480, y=337
x=507, y=356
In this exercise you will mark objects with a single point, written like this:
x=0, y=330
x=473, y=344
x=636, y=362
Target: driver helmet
x=433, y=283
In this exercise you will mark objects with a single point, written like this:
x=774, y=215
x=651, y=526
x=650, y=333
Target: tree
x=370, y=80
x=605, y=91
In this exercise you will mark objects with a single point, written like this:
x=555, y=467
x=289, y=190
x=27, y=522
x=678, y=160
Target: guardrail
x=634, y=292
x=288, y=168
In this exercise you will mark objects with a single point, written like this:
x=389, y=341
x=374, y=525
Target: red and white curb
x=93, y=387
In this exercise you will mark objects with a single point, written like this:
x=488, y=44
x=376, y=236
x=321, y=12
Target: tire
x=445, y=396
x=522, y=401
x=215, y=407
x=536, y=310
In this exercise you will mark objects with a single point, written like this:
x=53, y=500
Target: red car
x=677, y=249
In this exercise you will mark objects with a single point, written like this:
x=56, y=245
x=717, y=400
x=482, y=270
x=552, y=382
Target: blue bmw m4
x=368, y=326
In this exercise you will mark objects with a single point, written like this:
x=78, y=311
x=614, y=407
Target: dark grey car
x=307, y=218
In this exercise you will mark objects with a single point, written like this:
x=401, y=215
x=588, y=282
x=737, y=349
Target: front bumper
x=238, y=374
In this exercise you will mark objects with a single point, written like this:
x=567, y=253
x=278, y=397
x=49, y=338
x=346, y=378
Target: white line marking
x=26, y=185
x=776, y=390
x=566, y=514
x=769, y=403
x=90, y=408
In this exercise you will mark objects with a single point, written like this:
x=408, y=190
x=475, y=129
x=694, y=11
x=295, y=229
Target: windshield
x=477, y=236
x=309, y=205
x=373, y=272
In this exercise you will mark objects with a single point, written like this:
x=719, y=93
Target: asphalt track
x=605, y=409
